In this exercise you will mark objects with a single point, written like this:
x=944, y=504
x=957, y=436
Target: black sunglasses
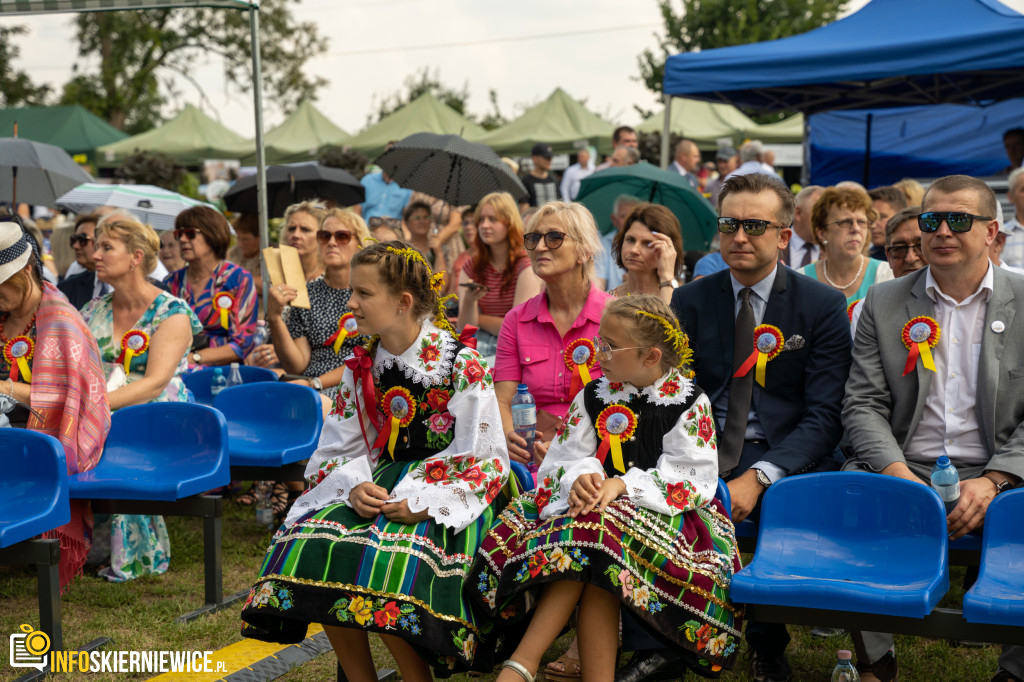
x=82, y=239
x=958, y=221
x=552, y=240
x=189, y=232
x=325, y=236
x=753, y=226
x=900, y=251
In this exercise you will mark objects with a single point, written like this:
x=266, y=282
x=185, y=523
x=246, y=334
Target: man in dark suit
x=83, y=287
x=791, y=423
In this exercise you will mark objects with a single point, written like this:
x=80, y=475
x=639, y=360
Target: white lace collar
x=427, y=361
x=670, y=388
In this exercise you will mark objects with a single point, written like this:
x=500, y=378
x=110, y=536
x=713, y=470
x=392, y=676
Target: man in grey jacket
x=964, y=398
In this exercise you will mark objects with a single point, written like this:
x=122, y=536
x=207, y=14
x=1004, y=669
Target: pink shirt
x=530, y=349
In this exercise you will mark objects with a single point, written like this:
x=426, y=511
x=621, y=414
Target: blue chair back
x=998, y=595
x=522, y=475
x=199, y=381
x=159, y=451
x=271, y=424
x=722, y=493
x=33, y=487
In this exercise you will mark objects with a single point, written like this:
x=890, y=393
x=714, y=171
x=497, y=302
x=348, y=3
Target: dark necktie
x=806, y=258
x=730, y=445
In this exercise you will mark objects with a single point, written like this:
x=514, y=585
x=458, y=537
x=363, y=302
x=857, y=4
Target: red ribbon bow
x=361, y=363
x=468, y=336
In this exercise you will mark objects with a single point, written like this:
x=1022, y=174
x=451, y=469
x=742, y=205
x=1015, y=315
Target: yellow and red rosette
x=18, y=352
x=768, y=343
x=134, y=342
x=615, y=424
x=223, y=301
x=849, y=309
x=347, y=326
x=919, y=336
x=579, y=356
x=399, y=408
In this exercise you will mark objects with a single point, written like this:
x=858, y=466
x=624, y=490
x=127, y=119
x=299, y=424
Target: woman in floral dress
x=143, y=334
x=624, y=513
x=400, y=494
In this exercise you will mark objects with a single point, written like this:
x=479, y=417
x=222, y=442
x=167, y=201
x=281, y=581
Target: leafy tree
x=493, y=119
x=707, y=24
x=128, y=59
x=151, y=168
x=16, y=88
x=416, y=85
x=344, y=158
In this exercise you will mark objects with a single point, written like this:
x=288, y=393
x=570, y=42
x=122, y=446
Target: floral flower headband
x=436, y=283
x=677, y=339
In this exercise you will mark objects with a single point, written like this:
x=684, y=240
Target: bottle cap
x=845, y=655
x=943, y=461
x=522, y=387
x=234, y=365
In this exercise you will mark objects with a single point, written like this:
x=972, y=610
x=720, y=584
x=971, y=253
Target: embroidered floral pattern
x=382, y=613
x=429, y=353
x=634, y=590
x=551, y=485
x=672, y=390
x=702, y=426
x=326, y=468
x=682, y=495
x=480, y=475
x=270, y=594
x=556, y=560
x=614, y=392
x=470, y=369
x=415, y=367
x=344, y=406
x=708, y=639
x=488, y=586
x=571, y=419
x=466, y=641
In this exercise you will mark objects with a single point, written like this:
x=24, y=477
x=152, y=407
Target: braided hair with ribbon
x=656, y=326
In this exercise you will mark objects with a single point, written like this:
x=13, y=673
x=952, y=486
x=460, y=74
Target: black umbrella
x=287, y=185
x=36, y=173
x=449, y=168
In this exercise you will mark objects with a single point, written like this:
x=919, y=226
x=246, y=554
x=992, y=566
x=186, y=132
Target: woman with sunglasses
x=538, y=340
x=841, y=219
x=419, y=225
x=499, y=276
x=220, y=293
x=649, y=247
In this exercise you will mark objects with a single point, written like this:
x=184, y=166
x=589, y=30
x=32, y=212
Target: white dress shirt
x=949, y=422
x=1013, y=252
x=571, y=179
x=796, y=251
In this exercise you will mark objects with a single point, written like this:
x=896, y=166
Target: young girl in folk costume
x=403, y=487
x=624, y=513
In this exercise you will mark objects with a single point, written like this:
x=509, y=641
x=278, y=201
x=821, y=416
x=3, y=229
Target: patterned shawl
x=69, y=393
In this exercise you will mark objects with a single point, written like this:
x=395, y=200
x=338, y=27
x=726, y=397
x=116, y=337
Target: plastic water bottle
x=524, y=416
x=235, y=375
x=946, y=482
x=264, y=512
x=844, y=670
x=219, y=382
x=262, y=333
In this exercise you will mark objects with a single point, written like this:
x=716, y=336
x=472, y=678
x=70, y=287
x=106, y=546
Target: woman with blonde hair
x=143, y=334
x=498, y=277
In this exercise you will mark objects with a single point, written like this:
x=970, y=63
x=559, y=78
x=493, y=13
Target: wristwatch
x=1002, y=484
x=316, y=383
x=674, y=283
x=197, y=359
x=763, y=479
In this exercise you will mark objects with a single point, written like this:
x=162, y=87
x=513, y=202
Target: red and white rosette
x=615, y=424
x=18, y=352
x=347, y=326
x=919, y=336
x=223, y=302
x=579, y=357
x=768, y=343
x=399, y=408
x=135, y=342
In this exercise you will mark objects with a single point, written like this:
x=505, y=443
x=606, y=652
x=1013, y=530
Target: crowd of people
x=782, y=351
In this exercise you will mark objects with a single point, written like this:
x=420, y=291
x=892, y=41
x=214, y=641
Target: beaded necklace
x=28, y=328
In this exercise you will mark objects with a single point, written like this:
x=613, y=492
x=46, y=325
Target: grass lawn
x=139, y=615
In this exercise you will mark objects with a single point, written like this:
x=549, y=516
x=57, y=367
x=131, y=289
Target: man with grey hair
x=608, y=272
x=624, y=156
x=802, y=249
x=687, y=162
x=574, y=174
x=751, y=156
x=1013, y=251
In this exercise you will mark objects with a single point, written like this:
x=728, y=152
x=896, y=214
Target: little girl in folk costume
x=624, y=513
x=403, y=487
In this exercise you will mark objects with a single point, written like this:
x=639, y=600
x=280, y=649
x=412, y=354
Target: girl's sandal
x=279, y=498
x=519, y=668
x=249, y=497
x=570, y=669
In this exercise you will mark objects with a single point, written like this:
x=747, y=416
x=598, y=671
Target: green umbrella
x=697, y=217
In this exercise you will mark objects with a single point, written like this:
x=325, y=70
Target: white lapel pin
x=998, y=326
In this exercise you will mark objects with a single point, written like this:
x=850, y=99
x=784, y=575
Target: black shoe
x=652, y=665
x=885, y=669
x=1004, y=676
x=770, y=668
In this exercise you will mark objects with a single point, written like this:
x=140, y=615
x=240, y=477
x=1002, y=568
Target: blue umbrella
x=697, y=217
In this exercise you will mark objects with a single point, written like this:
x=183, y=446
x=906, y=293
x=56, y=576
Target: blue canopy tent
x=891, y=53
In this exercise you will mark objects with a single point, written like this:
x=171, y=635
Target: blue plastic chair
x=199, y=381
x=849, y=541
x=158, y=451
x=33, y=487
x=997, y=596
x=270, y=424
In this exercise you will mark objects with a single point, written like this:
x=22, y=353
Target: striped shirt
x=499, y=299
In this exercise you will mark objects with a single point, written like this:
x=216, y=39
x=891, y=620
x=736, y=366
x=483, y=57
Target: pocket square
x=795, y=342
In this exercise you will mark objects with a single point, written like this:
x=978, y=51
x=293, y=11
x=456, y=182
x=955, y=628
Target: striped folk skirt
x=335, y=567
x=671, y=572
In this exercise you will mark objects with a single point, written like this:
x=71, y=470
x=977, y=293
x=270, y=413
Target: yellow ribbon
x=584, y=374
x=224, y=317
x=342, y=335
x=26, y=373
x=762, y=362
x=393, y=436
x=128, y=355
x=616, y=447
x=926, y=355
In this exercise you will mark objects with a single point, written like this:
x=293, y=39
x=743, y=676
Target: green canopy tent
x=706, y=122
x=559, y=121
x=425, y=114
x=74, y=129
x=188, y=138
x=787, y=130
x=299, y=138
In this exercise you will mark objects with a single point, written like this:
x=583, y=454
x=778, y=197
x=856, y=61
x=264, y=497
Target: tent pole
x=867, y=152
x=805, y=175
x=666, y=130
x=261, y=161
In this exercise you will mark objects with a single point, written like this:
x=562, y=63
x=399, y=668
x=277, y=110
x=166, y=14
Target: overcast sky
x=523, y=50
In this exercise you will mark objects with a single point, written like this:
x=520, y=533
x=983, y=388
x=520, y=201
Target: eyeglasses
x=604, y=351
x=552, y=239
x=753, y=226
x=848, y=223
x=325, y=236
x=899, y=251
x=82, y=239
x=957, y=220
x=189, y=232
